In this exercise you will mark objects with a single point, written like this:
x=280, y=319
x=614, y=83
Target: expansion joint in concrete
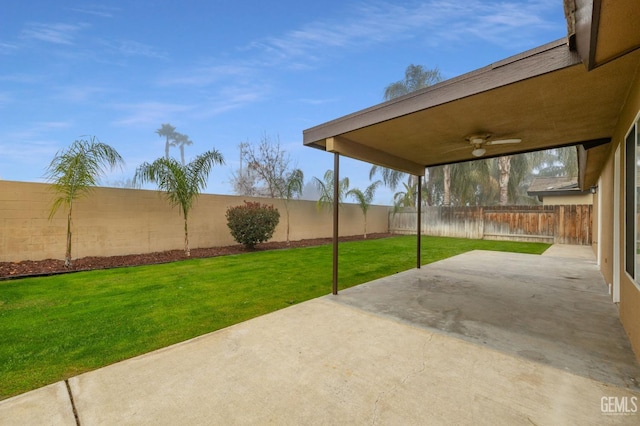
x=73, y=404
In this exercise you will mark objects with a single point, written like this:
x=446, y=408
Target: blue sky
x=226, y=72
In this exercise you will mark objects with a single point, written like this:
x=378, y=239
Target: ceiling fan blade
x=503, y=141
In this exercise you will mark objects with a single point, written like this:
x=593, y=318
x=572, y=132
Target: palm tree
x=406, y=198
x=74, y=172
x=416, y=77
x=169, y=132
x=180, y=140
x=326, y=189
x=390, y=177
x=364, y=200
x=181, y=183
x=556, y=162
x=511, y=172
x=504, y=167
x=291, y=188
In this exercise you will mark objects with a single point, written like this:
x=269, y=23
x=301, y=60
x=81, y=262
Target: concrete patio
x=481, y=338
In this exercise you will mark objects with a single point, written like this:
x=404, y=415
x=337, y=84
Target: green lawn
x=56, y=327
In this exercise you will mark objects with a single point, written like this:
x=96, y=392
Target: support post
x=336, y=193
x=419, y=226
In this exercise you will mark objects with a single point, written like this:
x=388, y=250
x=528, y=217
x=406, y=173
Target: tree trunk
x=166, y=148
x=187, y=252
x=411, y=192
x=447, y=185
x=504, y=165
x=67, y=255
x=182, y=154
x=365, y=226
x=286, y=207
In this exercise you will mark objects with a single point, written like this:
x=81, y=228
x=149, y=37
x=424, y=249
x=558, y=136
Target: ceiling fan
x=478, y=142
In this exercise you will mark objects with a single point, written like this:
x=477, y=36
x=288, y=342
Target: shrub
x=252, y=223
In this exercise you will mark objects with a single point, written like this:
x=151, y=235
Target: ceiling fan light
x=478, y=152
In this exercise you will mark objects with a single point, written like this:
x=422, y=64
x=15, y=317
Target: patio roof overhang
x=565, y=93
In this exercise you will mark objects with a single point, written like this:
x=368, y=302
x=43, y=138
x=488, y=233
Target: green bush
x=252, y=223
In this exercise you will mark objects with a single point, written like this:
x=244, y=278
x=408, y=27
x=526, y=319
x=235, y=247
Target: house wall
x=116, y=221
x=565, y=200
x=604, y=216
x=629, y=292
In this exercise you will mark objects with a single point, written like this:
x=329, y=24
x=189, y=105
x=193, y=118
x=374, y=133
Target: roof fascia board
x=587, y=19
x=535, y=62
x=557, y=193
x=355, y=150
x=570, y=16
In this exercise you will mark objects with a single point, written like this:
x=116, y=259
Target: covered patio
x=568, y=92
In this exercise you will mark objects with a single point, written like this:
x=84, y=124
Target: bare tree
x=267, y=167
x=265, y=170
x=244, y=180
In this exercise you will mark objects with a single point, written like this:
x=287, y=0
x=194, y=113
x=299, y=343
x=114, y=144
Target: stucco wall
x=629, y=292
x=603, y=216
x=114, y=221
x=565, y=200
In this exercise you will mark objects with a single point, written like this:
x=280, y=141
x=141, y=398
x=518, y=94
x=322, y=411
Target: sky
x=228, y=72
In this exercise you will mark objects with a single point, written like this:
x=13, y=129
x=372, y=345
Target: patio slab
x=49, y=405
x=554, y=311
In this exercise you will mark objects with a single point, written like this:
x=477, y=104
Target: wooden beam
x=351, y=149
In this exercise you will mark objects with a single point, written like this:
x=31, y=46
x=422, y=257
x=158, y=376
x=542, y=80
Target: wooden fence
x=567, y=224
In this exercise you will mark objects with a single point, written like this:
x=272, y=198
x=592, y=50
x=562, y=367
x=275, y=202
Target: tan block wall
x=115, y=221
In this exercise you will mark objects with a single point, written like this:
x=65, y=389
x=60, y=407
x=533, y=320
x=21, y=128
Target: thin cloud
x=7, y=48
x=500, y=23
x=204, y=76
x=97, y=10
x=149, y=113
x=57, y=33
x=48, y=125
x=365, y=25
x=231, y=98
x=80, y=93
x=134, y=48
x=5, y=99
x=382, y=22
x=28, y=151
x=309, y=101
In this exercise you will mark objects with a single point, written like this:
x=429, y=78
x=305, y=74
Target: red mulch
x=55, y=266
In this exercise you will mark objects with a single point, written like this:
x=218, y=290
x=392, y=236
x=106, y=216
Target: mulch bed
x=27, y=268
